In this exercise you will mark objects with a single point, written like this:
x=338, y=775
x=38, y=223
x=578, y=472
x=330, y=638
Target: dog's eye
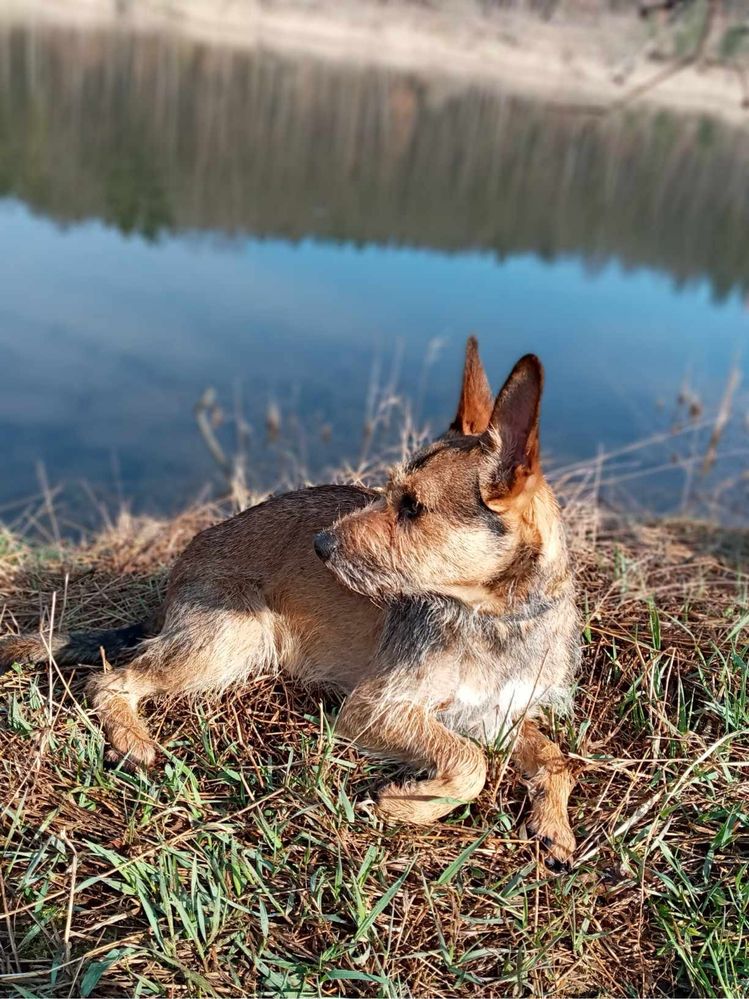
x=410, y=508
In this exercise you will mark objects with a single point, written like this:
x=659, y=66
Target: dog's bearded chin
x=363, y=581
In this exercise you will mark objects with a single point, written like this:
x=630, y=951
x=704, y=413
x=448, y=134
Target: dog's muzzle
x=325, y=544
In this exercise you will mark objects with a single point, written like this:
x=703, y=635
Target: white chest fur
x=484, y=713
x=513, y=699
x=469, y=696
x=517, y=696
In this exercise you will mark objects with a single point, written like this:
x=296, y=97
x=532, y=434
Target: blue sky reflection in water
x=109, y=341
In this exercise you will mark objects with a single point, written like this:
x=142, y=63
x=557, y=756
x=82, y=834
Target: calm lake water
x=174, y=217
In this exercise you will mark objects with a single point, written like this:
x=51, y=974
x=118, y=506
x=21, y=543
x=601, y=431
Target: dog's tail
x=72, y=648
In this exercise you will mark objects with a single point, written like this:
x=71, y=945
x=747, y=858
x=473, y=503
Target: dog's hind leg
x=205, y=645
x=115, y=695
x=409, y=732
x=550, y=783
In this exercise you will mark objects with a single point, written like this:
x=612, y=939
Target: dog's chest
x=490, y=694
x=511, y=698
x=484, y=711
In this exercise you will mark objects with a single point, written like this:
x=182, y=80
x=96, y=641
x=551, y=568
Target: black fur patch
x=422, y=458
x=425, y=455
x=415, y=628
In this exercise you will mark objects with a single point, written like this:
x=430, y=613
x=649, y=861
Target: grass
x=250, y=862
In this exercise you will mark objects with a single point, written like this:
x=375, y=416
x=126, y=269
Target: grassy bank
x=249, y=861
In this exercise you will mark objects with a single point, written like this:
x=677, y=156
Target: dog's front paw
x=555, y=836
x=131, y=749
x=418, y=802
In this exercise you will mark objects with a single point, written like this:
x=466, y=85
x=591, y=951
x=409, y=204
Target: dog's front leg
x=406, y=730
x=550, y=783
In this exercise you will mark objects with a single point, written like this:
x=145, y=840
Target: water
x=175, y=217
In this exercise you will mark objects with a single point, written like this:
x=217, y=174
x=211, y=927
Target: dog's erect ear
x=511, y=439
x=476, y=399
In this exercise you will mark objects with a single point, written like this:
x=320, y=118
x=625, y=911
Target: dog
x=442, y=607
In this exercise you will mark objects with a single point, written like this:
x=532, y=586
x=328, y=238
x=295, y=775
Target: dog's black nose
x=325, y=545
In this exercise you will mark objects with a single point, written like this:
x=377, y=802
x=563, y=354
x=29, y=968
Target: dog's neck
x=510, y=603
x=438, y=619
x=530, y=610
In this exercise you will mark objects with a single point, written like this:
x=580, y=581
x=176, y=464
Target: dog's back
x=263, y=562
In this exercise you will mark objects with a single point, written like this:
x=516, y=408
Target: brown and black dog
x=441, y=606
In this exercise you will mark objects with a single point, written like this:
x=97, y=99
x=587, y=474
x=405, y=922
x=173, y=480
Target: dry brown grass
x=250, y=862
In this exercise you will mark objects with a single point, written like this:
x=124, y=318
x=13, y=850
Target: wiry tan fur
x=442, y=607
